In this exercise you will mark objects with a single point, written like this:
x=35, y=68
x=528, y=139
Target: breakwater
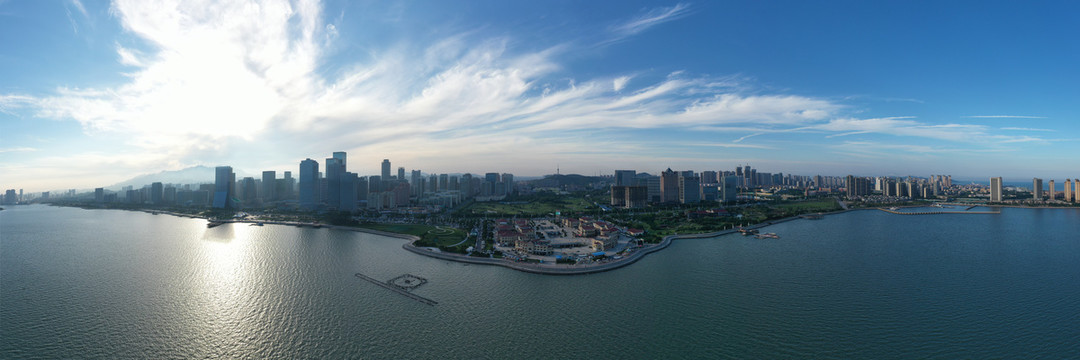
x=936, y=212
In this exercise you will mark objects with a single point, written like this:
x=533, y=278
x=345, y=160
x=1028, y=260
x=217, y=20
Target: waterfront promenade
x=581, y=269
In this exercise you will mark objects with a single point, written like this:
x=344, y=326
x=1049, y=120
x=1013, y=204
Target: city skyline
x=100, y=92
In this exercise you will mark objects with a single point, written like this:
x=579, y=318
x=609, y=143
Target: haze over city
x=94, y=93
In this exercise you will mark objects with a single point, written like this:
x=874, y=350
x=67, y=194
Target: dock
x=937, y=212
x=398, y=290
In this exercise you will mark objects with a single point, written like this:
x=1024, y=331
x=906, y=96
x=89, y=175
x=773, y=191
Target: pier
x=399, y=289
x=937, y=212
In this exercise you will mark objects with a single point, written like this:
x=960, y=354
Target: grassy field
x=533, y=208
x=428, y=234
x=822, y=205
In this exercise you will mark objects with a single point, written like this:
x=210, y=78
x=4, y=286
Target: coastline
x=545, y=269
x=559, y=269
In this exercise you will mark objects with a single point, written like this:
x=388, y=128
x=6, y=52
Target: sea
x=867, y=284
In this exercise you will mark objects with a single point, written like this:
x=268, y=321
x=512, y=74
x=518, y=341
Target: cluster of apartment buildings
x=632, y=190
x=892, y=187
x=1039, y=194
x=332, y=188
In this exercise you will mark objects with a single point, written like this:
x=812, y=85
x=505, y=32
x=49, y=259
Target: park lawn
x=428, y=234
x=536, y=208
x=811, y=206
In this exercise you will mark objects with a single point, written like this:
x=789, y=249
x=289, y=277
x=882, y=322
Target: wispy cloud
x=1024, y=129
x=215, y=79
x=1005, y=117
x=649, y=19
x=17, y=149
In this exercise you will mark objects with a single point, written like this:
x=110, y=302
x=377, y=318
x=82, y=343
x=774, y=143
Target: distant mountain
x=192, y=175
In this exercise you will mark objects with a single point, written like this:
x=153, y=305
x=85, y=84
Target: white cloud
x=17, y=149
x=217, y=75
x=651, y=18
x=619, y=83
x=1005, y=117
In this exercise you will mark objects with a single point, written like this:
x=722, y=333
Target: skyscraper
x=689, y=189
x=508, y=180
x=1051, y=192
x=248, y=193
x=268, y=192
x=996, y=191
x=289, y=186
x=224, y=185
x=857, y=186
x=414, y=183
x=669, y=186
x=401, y=174
x=386, y=170
x=157, y=190
x=1076, y=190
x=349, y=182
x=309, y=176
x=1068, y=191
x=1036, y=188
x=340, y=156
x=335, y=168
x=624, y=177
x=729, y=189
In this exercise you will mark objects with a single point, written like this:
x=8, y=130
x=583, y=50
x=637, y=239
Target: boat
x=748, y=232
x=213, y=223
x=768, y=236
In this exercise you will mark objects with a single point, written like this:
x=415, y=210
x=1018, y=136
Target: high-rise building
x=288, y=187
x=401, y=174
x=1076, y=190
x=341, y=157
x=414, y=183
x=224, y=187
x=669, y=186
x=335, y=168
x=347, y=201
x=99, y=195
x=625, y=177
x=249, y=194
x=10, y=197
x=1051, y=192
x=996, y=190
x=309, y=179
x=157, y=191
x=689, y=189
x=729, y=189
x=385, y=170
x=1068, y=190
x=508, y=180
x=1036, y=188
x=709, y=177
x=618, y=195
x=637, y=196
x=268, y=192
x=857, y=186
x=653, y=184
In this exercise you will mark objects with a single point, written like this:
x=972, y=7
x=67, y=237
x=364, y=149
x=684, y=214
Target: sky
x=94, y=92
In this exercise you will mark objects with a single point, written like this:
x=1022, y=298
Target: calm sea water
x=114, y=284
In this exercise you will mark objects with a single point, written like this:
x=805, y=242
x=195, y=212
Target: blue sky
x=92, y=93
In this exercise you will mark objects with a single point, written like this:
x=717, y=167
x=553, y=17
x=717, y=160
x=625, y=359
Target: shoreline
x=559, y=269
x=545, y=269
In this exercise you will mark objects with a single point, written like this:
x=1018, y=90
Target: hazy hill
x=567, y=180
x=192, y=175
